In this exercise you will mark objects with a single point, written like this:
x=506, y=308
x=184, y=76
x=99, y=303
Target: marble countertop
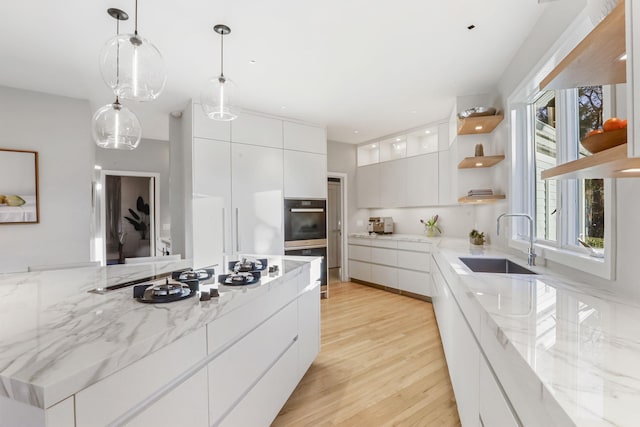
x=56, y=338
x=400, y=237
x=576, y=347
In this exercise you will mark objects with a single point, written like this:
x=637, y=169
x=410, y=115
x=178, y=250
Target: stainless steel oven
x=305, y=223
x=305, y=229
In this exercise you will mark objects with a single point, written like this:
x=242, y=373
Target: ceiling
x=363, y=68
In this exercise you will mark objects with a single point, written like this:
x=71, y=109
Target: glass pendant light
x=114, y=125
x=217, y=94
x=139, y=63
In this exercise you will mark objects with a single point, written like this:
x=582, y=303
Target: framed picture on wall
x=19, y=187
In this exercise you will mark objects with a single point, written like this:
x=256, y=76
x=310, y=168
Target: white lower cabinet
x=494, y=408
x=309, y=329
x=234, y=372
x=61, y=414
x=479, y=397
x=397, y=264
x=383, y=275
x=360, y=270
x=188, y=396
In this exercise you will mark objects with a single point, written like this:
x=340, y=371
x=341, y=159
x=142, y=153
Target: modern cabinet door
x=188, y=396
x=308, y=328
x=422, y=180
x=416, y=282
x=461, y=351
x=494, y=408
x=307, y=138
x=393, y=183
x=257, y=198
x=211, y=201
x=368, y=186
x=446, y=192
x=305, y=175
x=257, y=130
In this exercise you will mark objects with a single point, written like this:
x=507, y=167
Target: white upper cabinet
x=305, y=175
x=257, y=130
x=257, y=199
x=368, y=186
x=393, y=184
x=204, y=127
x=422, y=180
x=301, y=137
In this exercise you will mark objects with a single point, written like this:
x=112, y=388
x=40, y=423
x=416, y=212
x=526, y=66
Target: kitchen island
x=72, y=357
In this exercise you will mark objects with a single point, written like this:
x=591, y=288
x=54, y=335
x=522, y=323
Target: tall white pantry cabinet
x=241, y=171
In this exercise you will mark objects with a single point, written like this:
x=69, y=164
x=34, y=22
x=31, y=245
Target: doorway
x=336, y=205
x=129, y=215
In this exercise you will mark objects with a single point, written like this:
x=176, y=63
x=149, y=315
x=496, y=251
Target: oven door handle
x=296, y=210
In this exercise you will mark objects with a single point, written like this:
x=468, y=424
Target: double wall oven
x=305, y=229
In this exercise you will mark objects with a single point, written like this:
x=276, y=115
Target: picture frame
x=19, y=187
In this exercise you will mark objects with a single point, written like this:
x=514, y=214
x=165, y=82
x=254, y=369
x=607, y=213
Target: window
x=546, y=131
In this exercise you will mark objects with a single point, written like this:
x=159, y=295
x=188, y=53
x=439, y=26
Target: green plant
x=477, y=238
x=431, y=224
x=140, y=221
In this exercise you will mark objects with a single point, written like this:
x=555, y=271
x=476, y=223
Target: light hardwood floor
x=381, y=364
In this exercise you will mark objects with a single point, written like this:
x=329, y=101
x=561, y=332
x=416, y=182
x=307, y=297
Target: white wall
x=150, y=156
x=342, y=158
x=59, y=129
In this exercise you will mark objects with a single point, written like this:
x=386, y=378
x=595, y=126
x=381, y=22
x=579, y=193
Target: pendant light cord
x=222, y=54
x=136, y=24
x=117, y=55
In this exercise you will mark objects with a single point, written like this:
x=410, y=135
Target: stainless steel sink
x=495, y=265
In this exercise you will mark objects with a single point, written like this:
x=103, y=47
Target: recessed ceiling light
x=252, y=61
x=373, y=145
x=284, y=107
x=478, y=164
x=630, y=170
x=398, y=139
x=478, y=128
x=427, y=132
x=471, y=27
x=356, y=131
x=97, y=167
x=623, y=57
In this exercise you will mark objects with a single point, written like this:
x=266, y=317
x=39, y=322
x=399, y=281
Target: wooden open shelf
x=596, y=59
x=605, y=164
x=480, y=162
x=487, y=123
x=481, y=199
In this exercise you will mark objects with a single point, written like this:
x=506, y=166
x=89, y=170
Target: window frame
x=523, y=182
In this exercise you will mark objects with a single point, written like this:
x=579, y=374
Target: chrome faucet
x=531, y=253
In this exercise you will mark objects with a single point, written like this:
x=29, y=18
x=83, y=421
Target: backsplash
x=455, y=221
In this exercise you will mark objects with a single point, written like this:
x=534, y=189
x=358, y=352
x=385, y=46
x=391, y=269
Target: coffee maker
x=380, y=225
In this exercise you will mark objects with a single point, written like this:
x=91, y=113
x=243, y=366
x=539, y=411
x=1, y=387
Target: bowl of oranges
x=612, y=134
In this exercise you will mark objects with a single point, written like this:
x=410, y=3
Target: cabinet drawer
x=415, y=282
x=363, y=241
x=225, y=329
x=414, y=246
x=384, y=256
x=414, y=260
x=232, y=374
x=360, y=253
x=360, y=270
x=263, y=402
x=124, y=389
x=301, y=137
x=384, y=243
x=387, y=276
